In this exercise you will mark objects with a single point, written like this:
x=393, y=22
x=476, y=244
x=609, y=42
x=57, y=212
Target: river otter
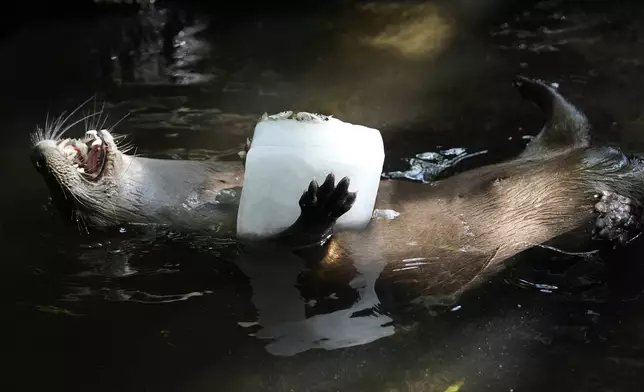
x=97, y=185
x=453, y=235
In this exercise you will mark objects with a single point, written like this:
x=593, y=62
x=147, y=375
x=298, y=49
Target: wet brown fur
x=469, y=225
x=465, y=228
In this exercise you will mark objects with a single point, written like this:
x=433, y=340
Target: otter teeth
x=97, y=142
x=81, y=148
x=91, y=133
x=70, y=152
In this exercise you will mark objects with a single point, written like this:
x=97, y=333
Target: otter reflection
x=355, y=317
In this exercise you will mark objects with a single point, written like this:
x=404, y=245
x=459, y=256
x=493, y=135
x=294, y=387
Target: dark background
x=510, y=336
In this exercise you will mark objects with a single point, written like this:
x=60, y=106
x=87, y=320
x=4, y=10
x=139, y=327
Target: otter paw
x=327, y=202
x=619, y=220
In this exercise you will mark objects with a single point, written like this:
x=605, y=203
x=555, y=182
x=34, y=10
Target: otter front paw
x=327, y=202
x=320, y=207
x=619, y=220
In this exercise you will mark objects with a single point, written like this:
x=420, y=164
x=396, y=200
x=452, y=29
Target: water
x=149, y=309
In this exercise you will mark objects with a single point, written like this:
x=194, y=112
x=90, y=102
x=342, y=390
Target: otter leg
x=565, y=127
x=619, y=220
x=320, y=206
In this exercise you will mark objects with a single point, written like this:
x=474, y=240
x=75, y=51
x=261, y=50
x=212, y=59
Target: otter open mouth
x=88, y=155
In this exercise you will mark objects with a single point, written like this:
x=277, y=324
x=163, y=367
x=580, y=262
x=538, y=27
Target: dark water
x=148, y=309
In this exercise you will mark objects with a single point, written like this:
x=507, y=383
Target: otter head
x=79, y=172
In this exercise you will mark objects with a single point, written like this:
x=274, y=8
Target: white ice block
x=288, y=151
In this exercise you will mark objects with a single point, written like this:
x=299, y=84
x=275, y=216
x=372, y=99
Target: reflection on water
x=191, y=119
x=423, y=29
x=159, y=46
x=121, y=266
x=282, y=309
x=147, y=308
x=560, y=31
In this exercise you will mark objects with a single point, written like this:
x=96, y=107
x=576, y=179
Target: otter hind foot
x=566, y=127
x=619, y=220
x=327, y=202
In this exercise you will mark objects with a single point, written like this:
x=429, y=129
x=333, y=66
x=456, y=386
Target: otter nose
x=38, y=159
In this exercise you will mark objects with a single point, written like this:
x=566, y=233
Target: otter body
x=453, y=235
x=94, y=183
x=449, y=236
x=191, y=194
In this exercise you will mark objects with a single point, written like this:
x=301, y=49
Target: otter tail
x=565, y=128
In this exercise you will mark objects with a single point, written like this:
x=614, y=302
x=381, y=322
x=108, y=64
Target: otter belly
x=455, y=235
x=193, y=194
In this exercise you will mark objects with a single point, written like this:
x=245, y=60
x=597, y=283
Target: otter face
x=78, y=172
x=72, y=161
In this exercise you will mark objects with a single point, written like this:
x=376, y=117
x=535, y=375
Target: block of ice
x=288, y=151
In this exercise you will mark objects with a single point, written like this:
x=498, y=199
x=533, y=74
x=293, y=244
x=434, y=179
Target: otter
x=453, y=235
x=96, y=184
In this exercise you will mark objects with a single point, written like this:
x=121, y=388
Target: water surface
x=150, y=309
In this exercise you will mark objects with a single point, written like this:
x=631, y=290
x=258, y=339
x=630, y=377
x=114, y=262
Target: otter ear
x=566, y=127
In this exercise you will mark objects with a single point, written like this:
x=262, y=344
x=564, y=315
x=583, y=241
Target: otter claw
x=327, y=201
x=619, y=220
